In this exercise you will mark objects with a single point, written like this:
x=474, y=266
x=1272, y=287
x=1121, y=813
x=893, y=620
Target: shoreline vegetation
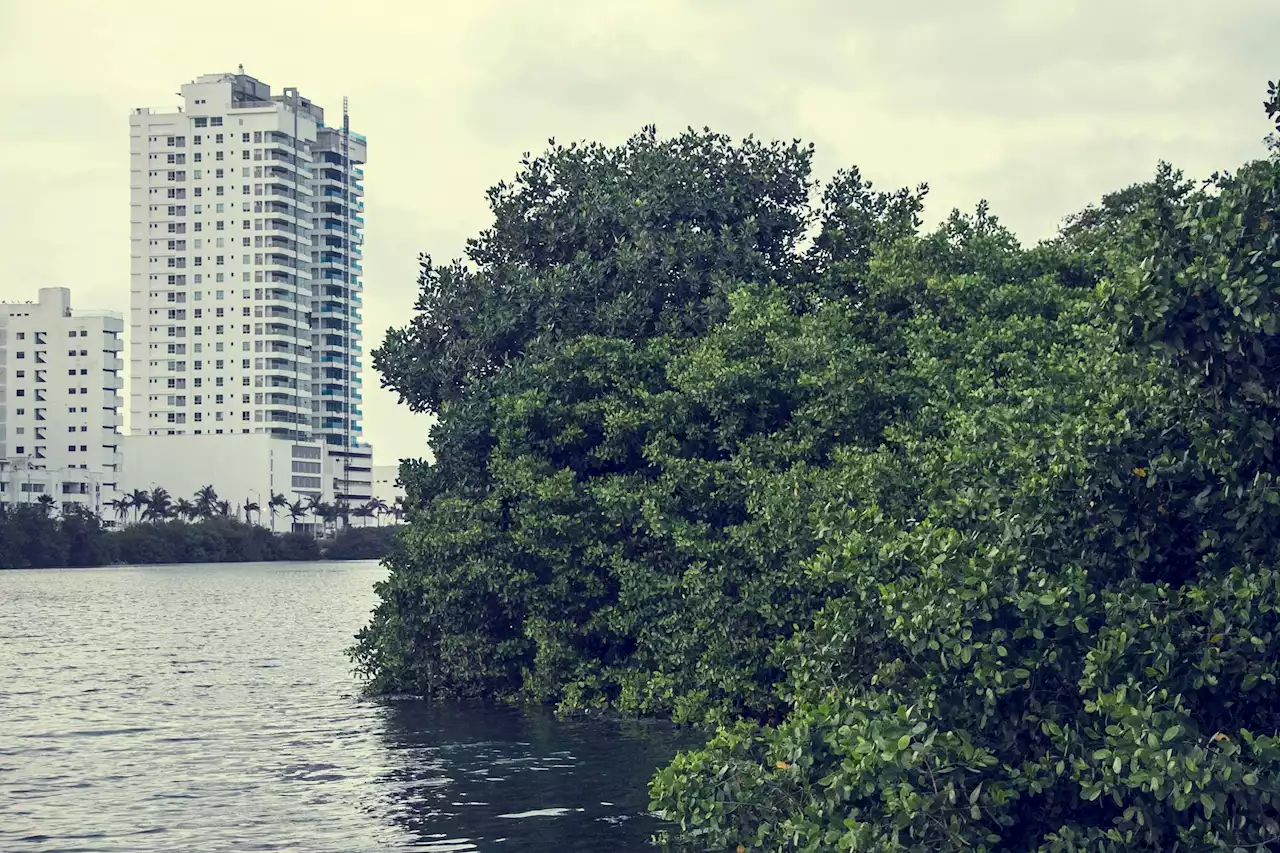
x=203, y=530
x=956, y=544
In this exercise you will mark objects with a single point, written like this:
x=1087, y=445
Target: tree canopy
x=961, y=544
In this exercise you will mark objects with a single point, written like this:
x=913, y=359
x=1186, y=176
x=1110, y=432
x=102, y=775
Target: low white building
x=240, y=468
x=385, y=486
x=60, y=402
x=384, y=489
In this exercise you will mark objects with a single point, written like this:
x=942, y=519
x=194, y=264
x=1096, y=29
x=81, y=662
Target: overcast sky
x=1040, y=106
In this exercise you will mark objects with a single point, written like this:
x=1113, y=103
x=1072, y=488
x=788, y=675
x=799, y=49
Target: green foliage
x=966, y=545
x=32, y=538
x=1056, y=594
x=361, y=543
x=216, y=539
x=582, y=504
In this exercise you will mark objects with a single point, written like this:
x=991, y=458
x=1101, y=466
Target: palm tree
x=277, y=503
x=342, y=509
x=331, y=513
x=296, y=510
x=223, y=508
x=379, y=507
x=46, y=503
x=251, y=507
x=206, y=501
x=159, y=505
x=120, y=506
x=138, y=502
x=363, y=511
x=184, y=509
x=316, y=506
x=400, y=508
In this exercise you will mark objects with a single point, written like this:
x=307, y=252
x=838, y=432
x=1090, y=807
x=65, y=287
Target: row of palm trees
x=159, y=505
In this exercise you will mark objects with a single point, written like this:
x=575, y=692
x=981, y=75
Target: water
x=210, y=708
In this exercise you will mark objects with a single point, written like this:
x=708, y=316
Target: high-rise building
x=336, y=283
x=60, y=401
x=246, y=278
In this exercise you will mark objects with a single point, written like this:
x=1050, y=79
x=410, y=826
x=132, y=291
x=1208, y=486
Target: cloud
x=1038, y=107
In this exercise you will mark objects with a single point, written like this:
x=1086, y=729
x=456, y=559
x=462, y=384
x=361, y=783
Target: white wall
x=239, y=467
x=383, y=488
x=384, y=483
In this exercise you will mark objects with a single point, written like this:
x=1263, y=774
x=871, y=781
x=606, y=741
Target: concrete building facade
x=242, y=469
x=245, y=280
x=60, y=418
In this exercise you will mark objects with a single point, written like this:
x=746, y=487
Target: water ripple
x=210, y=708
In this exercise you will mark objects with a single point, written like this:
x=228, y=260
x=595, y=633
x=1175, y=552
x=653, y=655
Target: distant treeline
x=33, y=537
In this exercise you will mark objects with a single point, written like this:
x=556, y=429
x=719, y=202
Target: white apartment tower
x=60, y=401
x=245, y=277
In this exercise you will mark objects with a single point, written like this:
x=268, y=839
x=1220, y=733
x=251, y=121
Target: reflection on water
x=460, y=780
x=210, y=708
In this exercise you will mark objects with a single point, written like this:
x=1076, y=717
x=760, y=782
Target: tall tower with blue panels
x=337, y=236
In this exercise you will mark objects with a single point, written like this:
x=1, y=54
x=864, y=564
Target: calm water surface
x=210, y=708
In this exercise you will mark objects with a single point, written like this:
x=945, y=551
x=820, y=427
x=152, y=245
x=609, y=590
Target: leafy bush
x=361, y=543
x=31, y=537
x=966, y=545
x=1053, y=589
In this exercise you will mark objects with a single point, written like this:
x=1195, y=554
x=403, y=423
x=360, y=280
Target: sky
x=1038, y=107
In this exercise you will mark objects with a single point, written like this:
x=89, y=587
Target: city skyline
x=1026, y=114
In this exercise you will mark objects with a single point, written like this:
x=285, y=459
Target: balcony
x=280, y=218
x=280, y=277
x=333, y=390
x=282, y=162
